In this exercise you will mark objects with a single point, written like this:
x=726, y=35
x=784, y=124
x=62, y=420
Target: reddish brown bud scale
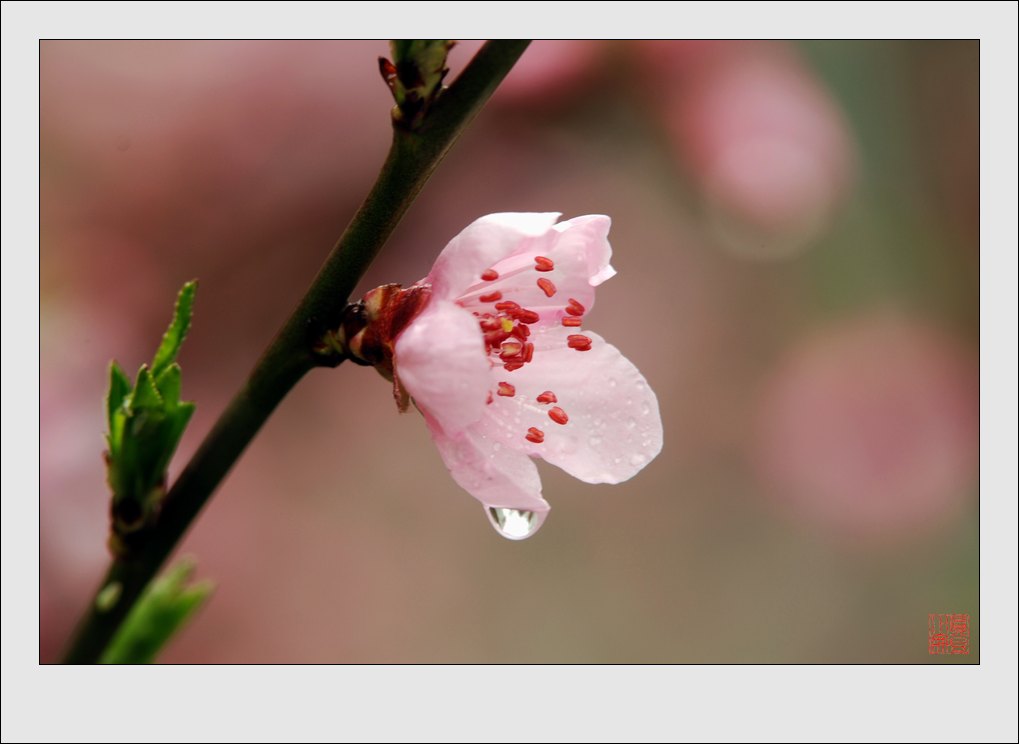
x=558, y=415
x=575, y=308
x=535, y=435
x=572, y=321
x=489, y=275
x=506, y=390
x=547, y=397
x=546, y=286
x=543, y=264
x=491, y=297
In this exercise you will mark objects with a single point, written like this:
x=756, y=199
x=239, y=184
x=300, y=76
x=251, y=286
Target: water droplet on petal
x=515, y=524
x=637, y=460
x=594, y=440
x=612, y=382
x=631, y=423
x=645, y=408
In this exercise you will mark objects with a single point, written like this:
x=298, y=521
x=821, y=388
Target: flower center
x=506, y=328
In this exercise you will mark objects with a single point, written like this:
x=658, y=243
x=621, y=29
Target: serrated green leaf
x=161, y=611
x=168, y=384
x=120, y=387
x=167, y=352
x=146, y=394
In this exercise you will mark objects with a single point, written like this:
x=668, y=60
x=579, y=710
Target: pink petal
x=441, y=361
x=494, y=475
x=484, y=243
x=586, y=239
x=580, y=253
x=614, y=426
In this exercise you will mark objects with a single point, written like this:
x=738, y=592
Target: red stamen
x=535, y=435
x=558, y=415
x=492, y=297
x=546, y=286
x=510, y=366
x=528, y=352
x=489, y=275
x=490, y=398
x=507, y=306
x=510, y=348
x=578, y=342
x=543, y=264
x=575, y=308
x=520, y=331
x=572, y=321
x=548, y=397
x=506, y=390
x=494, y=338
x=528, y=316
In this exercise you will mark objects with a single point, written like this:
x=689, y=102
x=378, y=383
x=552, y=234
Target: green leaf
x=168, y=384
x=120, y=387
x=146, y=394
x=162, y=610
x=167, y=352
x=171, y=429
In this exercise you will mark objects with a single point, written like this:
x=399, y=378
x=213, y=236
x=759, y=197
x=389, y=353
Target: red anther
x=535, y=435
x=507, y=306
x=506, y=390
x=510, y=366
x=546, y=286
x=489, y=323
x=490, y=398
x=510, y=348
x=543, y=264
x=520, y=331
x=548, y=397
x=528, y=316
x=572, y=321
x=491, y=297
x=489, y=275
x=494, y=338
x=578, y=342
x=574, y=307
x=528, y=352
x=558, y=415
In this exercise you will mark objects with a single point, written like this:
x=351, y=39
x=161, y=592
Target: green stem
x=413, y=156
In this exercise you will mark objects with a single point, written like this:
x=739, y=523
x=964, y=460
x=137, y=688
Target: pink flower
x=498, y=363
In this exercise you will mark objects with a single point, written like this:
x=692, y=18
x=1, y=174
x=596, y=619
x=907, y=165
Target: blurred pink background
x=795, y=230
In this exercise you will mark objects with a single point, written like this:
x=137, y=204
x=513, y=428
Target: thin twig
x=412, y=157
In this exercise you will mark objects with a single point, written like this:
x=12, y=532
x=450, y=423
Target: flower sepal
x=368, y=330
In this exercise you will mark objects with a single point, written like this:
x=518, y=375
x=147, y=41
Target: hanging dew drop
x=515, y=524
